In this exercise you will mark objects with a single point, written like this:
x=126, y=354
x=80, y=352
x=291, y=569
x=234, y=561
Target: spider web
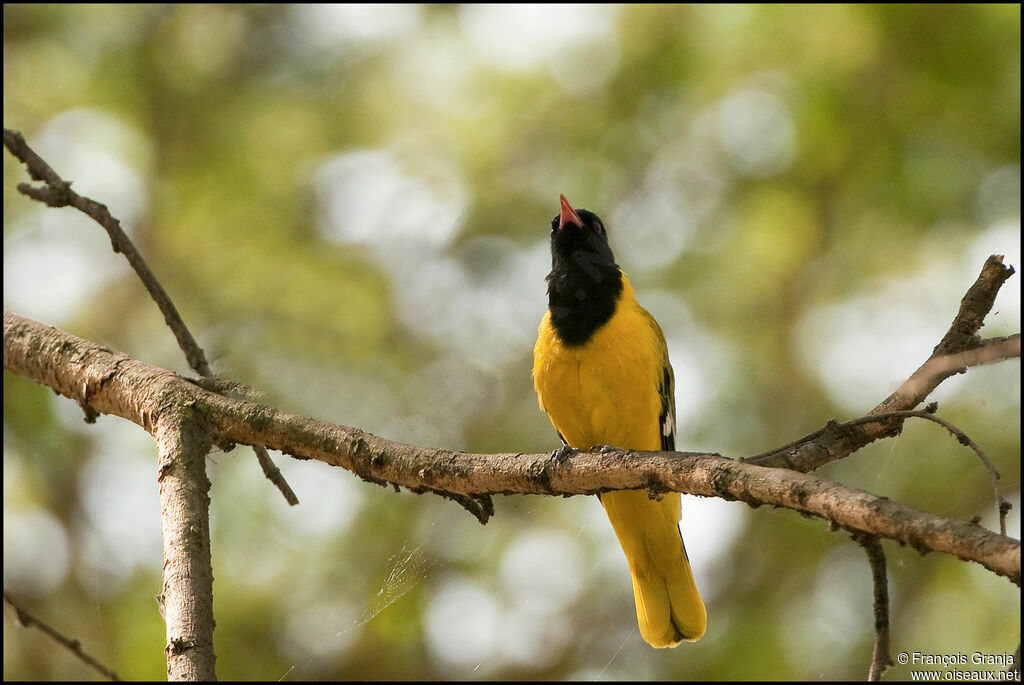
x=407, y=570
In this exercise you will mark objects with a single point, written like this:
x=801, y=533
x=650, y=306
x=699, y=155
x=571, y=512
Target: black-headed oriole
x=601, y=371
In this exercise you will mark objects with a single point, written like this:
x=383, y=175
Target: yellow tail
x=668, y=607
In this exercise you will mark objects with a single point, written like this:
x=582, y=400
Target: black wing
x=667, y=420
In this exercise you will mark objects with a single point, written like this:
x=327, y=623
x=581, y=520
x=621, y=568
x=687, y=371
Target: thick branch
x=186, y=599
x=113, y=383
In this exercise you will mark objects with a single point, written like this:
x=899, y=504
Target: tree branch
x=57, y=193
x=1002, y=506
x=187, y=595
x=960, y=348
x=974, y=307
x=881, y=659
x=112, y=383
x=71, y=644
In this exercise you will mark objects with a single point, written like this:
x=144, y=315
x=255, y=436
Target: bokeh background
x=350, y=206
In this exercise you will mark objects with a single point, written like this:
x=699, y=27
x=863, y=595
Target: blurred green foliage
x=350, y=206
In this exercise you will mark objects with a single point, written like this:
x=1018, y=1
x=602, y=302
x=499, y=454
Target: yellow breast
x=604, y=392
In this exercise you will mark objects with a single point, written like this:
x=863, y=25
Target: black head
x=585, y=282
x=579, y=235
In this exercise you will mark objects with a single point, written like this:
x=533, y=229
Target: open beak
x=569, y=215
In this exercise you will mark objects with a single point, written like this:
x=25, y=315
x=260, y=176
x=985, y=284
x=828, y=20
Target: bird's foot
x=563, y=453
x=605, y=449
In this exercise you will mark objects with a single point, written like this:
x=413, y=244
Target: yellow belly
x=604, y=392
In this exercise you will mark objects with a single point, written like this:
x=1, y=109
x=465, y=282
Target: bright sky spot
x=519, y=37
x=36, y=552
x=343, y=24
x=463, y=625
x=369, y=197
x=710, y=527
x=56, y=261
x=535, y=634
x=839, y=606
x=487, y=316
x=120, y=530
x=545, y=566
x=862, y=348
x=330, y=500
x=757, y=132
x=321, y=628
x=999, y=194
x=699, y=359
x=651, y=230
x=103, y=156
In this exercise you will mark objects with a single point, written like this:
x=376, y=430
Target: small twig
x=58, y=193
x=837, y=426
x=480, y=506
x=274, y=474
x=1003, y=507
x=74, y=646
x=881, y=659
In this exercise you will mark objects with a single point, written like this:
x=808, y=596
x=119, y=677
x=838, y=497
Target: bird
x=603, y=377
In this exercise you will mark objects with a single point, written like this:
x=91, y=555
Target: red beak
x=569, y=214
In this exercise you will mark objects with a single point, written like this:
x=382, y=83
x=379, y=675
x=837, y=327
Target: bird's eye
x=598, y=226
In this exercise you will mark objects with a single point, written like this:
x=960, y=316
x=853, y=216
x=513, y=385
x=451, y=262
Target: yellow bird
x=602, y=375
